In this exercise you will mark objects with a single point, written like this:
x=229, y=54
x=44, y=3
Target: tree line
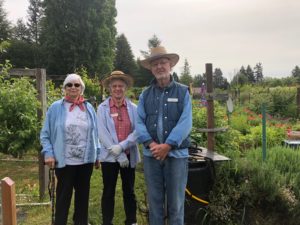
x=65, y=35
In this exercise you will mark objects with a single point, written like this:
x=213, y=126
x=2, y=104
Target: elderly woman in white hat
x=164, y=124
x=116, y=123
x=70, y=145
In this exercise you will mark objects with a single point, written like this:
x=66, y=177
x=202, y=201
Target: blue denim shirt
x=52, y=135
x=177, y=135
x=108, y=135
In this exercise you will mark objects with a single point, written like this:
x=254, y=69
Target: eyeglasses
x=71, y=85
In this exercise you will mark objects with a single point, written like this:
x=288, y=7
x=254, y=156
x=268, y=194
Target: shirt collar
x=154, y=82
x=113, y=104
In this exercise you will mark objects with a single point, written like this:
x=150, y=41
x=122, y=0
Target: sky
x=226, y=33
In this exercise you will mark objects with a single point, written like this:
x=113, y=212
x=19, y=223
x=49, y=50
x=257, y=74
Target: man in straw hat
x=164, y=125
x=116, y=124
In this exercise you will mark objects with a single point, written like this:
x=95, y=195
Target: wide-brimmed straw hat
x=118, y=75
x=159, y=52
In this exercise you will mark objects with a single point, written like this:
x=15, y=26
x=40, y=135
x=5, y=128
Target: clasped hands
x=159, y=151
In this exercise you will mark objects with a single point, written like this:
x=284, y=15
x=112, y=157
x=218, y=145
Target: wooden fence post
x=210, y=106
x=41, y=88
x=9, y=216
x=298, y=101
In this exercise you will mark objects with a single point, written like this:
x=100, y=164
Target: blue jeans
x=168, y=177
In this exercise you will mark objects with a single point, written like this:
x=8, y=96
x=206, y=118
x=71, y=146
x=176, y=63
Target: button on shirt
x=121, y=119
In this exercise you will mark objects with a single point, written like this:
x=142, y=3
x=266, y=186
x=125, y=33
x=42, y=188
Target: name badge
x=114, y=114
x=172, y=100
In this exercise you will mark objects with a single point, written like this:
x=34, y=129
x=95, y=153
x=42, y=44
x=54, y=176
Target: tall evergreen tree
x=258, y=72
x=296, y=72
x=242, y=70
x=250, y=74
x=218, y=80
x=153, y=42
x=144, y=76
x=239, y=79
x=199, y=80
x=108, y=33
x=124, y=60
x=21, y=32
x=20, y=54
x=4, y=24
x=79, y=33
x=186, y=77
x=35, y=15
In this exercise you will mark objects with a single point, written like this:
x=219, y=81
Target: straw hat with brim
x=118, y=75
x=159, y=52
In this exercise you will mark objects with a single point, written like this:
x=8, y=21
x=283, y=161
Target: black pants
x=69, y=177
x=110, y=173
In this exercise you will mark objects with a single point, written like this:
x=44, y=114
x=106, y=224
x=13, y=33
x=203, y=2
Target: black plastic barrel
x=200, y=181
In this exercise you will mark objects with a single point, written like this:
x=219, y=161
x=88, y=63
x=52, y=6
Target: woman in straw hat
x=116, y=123
x=164, y=125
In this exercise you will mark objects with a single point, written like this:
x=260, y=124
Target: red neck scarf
x=78, y=101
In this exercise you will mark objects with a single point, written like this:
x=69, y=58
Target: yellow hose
x=195, y=197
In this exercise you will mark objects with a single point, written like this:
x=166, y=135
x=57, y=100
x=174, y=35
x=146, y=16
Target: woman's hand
x=50, y=162
x=97, y=164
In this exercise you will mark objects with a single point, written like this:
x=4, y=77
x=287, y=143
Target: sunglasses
x=71, y=85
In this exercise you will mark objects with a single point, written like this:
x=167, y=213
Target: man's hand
x=115, y=150
x=152, y=144
x=50, y=162
x=160, y=151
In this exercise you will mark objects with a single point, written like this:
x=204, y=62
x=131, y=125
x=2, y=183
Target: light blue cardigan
x=108, y=135
x=52, y=135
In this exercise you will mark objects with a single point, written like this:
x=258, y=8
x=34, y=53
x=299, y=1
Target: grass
x=25, y=176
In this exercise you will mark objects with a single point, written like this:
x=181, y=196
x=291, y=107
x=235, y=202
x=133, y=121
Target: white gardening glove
x=115, y=150
x=124, y=163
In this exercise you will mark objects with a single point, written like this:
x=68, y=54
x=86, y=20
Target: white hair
x=71, y=78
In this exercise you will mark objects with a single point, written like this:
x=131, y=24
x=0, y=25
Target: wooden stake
x=210, y=106
x=9, y=216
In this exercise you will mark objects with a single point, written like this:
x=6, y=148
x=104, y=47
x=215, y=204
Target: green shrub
x=240, y=122
x=274, y=135
x=52, y=93
x=248, y=186
x=18, y=116
x=92, y=85
x=279, y=101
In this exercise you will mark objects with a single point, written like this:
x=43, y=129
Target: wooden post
x=41, y=88
x=298, y=101
x=210, y=106
x=9, y=216
x=264, y=132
